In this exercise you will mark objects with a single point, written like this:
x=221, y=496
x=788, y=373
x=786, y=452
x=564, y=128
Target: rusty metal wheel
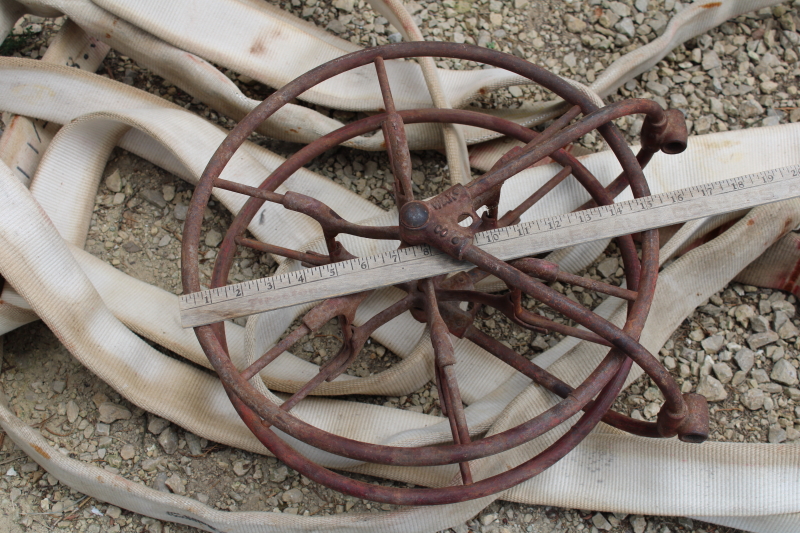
x=438, y=301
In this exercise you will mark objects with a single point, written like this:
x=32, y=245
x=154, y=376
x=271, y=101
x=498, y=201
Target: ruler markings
x=527, y=238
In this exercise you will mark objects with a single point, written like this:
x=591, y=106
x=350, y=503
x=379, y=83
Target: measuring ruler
x=522, y=240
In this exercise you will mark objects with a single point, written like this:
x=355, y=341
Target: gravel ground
x=739, y=349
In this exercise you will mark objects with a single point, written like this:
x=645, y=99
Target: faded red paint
x=435, y=301
x=40, y=450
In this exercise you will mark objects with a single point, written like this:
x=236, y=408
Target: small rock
x=99, y=399
x=745, y=358
x=488, y=519
x=168, y=191
x=574, y=24
x=165, y=240
x=711, y=60
x=131, y=247
x=784, y=307
x=111, y=412
x=608, y=266
x=344, y=5
x=626, y=28
x=738, y=378
x=783, y=372
x=58, y=386
x=113, y=512
x=759, y=324
x=154, y=197
x=176, y=484
x=240, y=468
x=787, y=330
x=279, y=474
x=72, y=411
x=193, y=443
x=127, y=452
x=651, y=410
x=28, y=468
x=180, y=211
x=213, y=238
x=723, y=372
x=150, y=464
x=157, y=424
x=160, y=482
x=776, y=434
x=712, y=389
x=659, y=89
x=102, y=429
x=713, y=344
x=743, y=314
x=750, y=108
x=760, y=375
x=169, y=440
x=114, y=182
x=638, y=523
x=600, y=522
x=336, y=26
x=768, y=87
x=753, y=399
x=292, y=496
x=678, y=100
x=758, y=340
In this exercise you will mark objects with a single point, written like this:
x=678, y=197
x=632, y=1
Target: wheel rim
x=435, y=300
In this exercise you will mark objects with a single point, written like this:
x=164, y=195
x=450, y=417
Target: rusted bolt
x=414, y=215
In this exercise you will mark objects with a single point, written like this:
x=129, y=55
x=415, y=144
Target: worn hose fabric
x=609, y=471
x=787, y=135
x=175, y=44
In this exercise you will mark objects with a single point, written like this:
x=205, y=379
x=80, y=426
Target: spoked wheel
x=439, y=301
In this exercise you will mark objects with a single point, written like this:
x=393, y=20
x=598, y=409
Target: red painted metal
x=435, y=301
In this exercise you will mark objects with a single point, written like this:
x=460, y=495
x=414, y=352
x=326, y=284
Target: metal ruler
x=526, y=239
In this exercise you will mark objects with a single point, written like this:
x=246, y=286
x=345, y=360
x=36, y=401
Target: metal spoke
x=335, y=366
x=547, y=271
x=275, y=351
x=312, y=258
x=512, y=217
x=446, y=380
x=249, y=191
x=394, y=134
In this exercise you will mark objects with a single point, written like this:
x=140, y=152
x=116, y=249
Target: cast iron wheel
x=435, y=301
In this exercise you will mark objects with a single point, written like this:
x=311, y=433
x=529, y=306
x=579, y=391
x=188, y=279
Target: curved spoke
x=331, y=222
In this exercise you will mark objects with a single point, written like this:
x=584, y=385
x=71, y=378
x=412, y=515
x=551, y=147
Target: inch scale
x=522, y=240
